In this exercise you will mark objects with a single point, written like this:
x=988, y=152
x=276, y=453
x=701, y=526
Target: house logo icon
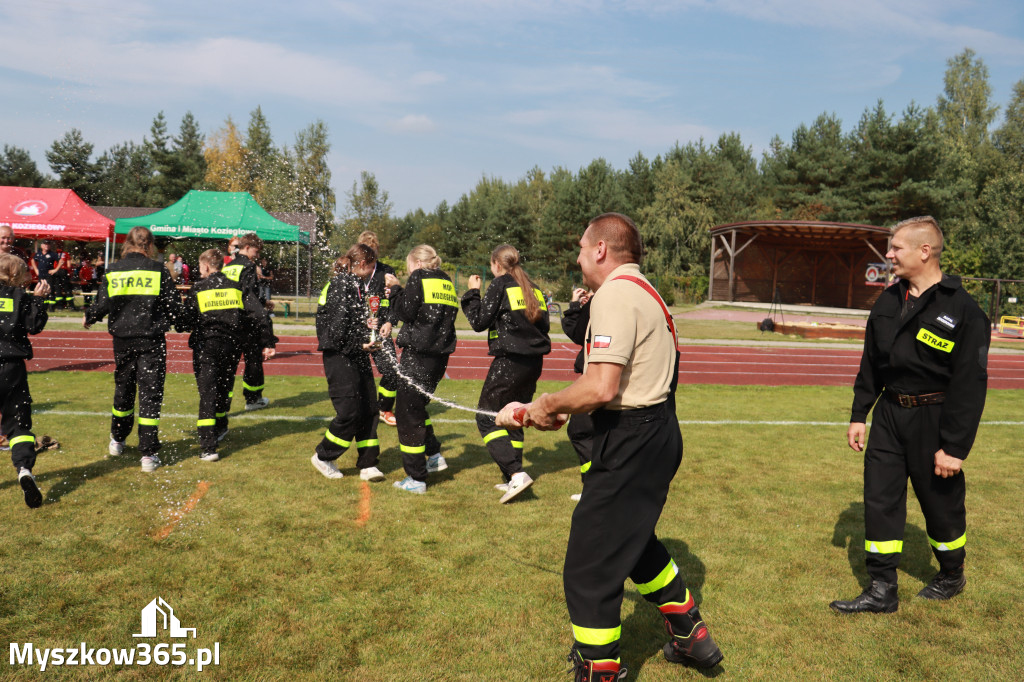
x=157, y=615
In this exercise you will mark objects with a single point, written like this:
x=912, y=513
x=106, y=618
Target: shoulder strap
x=649, y=289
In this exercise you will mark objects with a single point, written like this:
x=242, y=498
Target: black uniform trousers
x=635, y=456
x=139, y=363
x=416, y=437
x=213, y=366
x=386, y=360
x=252, y=375
x=580, y=431
x=902, y=443
x=511, y=378
x=356, y=414
x=62, y=294
x=16, y=408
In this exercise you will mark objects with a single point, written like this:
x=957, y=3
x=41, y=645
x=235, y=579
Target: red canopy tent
x=35, y=213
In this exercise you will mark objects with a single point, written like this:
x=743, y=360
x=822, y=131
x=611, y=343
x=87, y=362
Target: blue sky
x=431, y=96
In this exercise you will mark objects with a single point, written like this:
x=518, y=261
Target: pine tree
x=18, y=169
x=69, y=157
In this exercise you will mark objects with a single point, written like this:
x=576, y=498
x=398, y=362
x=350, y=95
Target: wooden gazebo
x=839, y=265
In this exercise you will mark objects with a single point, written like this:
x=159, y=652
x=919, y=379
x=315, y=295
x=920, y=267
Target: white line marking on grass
x=684, y=422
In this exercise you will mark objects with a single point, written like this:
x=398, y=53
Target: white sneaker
x=436, y=463
x=116, y=447
x=518, y=484
x=209, y=456
x=371, y=474
x=150, y=463
x=258, y=405
x=411, y=485
x=575, y=497
x=503, y=487
x=328, y=469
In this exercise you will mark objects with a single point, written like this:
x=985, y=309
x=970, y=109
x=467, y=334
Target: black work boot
x=696, y=648
x=945, y=585
x=595, y=671
x=879, y=597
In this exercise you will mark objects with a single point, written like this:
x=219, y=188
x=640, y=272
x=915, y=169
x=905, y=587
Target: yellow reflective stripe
x=596, y=636
x=883, y=546
x=517, y=302
x=385, y=303
x=413, y=449
x=662, y=580
x=386, y=393
x=122, y=413
x=206, y=422
x=219, y=299
x=146, y=421
x=133, y=283
x=584, y=468
x=367, y=443
x=492, y=334
x=949, y=546
x=22, y=439
x=517, y=444
x=231, y=394
x=439, y=291
x=494, y=434
x=6, y=305
x=337, y=441
x=936, y=342
x=428, y=423
x=233, y=271
x=252, y=388
x=221, y=414
x=323, y=295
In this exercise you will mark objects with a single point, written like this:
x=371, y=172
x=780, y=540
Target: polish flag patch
x=602, y=342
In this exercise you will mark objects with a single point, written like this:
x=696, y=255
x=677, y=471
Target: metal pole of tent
x=296, y=278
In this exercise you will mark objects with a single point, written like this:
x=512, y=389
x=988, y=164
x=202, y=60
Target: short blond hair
x=924, y=230
x=213, y=258
x=13, y=271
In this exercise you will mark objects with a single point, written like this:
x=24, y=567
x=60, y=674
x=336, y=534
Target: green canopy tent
x=216, y=215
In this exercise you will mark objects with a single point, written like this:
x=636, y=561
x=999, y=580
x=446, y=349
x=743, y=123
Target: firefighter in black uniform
x=46, y=263
x=218, y=314
x=516, y=319
x=385, y=357
x=427, y=307
x=242, y=269
x=925, y=354
x=580, y=428
x=343, y=335
x=21, y=314
x=138, y=294
x=629, y=385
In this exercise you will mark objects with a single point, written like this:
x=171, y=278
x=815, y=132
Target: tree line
x=950, y=160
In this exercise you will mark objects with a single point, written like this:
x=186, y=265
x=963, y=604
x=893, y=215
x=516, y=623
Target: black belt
x=914, y=400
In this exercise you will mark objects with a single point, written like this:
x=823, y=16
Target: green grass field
x=297, y=577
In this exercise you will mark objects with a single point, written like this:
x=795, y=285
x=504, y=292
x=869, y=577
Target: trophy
x=373, y=302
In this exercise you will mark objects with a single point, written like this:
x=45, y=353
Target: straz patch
x=133, y=283
x=601, y=342
x=938, y=343
x=947, y=321
x=439, y=291
x=6, y=305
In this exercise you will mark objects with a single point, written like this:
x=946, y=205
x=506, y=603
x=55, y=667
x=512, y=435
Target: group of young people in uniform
x=923, y=372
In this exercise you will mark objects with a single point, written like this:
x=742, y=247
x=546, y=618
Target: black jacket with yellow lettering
x=341, y=318
x=139, y=296
x=941, y=345
x=21, y=314
x=426, y=306
x=502, y=311
x=243, y=271
x=217, y=308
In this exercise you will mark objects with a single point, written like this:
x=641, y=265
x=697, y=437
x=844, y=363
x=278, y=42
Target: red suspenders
x=649, y=289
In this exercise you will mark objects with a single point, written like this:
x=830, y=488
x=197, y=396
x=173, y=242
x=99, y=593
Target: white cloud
x=414, y=123
x=535, y=127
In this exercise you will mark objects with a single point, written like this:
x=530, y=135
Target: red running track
x=735, y=365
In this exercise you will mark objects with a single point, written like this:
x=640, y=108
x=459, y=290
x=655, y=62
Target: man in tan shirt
x=629, y=386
